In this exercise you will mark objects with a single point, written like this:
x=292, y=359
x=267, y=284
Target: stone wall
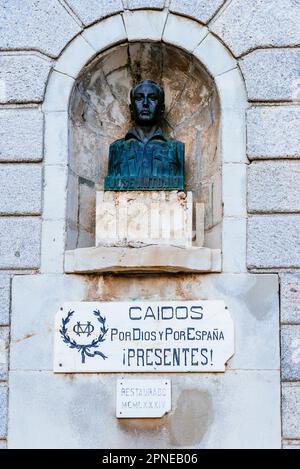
x=263, y=37
x=235, y=409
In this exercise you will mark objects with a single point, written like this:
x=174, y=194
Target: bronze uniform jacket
x=158, y=157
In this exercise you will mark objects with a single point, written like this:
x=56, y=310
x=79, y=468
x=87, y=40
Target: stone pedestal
x=146, y=231
x=139, y=218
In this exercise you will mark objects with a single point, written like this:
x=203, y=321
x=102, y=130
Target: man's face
x=146, y=104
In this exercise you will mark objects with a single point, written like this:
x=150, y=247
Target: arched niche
x=59, y=227
x=99, y=114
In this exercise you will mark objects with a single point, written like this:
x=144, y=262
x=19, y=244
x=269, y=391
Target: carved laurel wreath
x=84, y=349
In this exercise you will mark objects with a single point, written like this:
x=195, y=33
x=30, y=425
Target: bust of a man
x=145, y=159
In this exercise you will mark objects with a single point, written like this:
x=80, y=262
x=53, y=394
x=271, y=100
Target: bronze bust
x=145, y=159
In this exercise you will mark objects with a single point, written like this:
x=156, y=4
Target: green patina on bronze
x=145, y=159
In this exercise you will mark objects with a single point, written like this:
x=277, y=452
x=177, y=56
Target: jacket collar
x=133, y=133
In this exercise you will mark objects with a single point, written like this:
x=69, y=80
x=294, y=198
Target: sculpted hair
x=149, y=82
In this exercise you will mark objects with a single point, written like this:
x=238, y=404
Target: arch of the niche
x=147, y=26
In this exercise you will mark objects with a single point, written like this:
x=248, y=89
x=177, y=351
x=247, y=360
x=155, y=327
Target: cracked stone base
x=145, y=217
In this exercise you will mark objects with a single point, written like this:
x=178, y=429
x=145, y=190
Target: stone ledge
x=142, y=259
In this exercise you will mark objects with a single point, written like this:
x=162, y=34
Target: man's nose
x=146, y=101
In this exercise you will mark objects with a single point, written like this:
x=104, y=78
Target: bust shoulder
x=117, y=143
x=176, y=142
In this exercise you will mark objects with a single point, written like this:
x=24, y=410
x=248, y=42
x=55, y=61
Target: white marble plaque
x=148, y=336
x=138, y=398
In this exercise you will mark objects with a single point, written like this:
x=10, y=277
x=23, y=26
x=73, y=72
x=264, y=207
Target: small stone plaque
x=137, y=398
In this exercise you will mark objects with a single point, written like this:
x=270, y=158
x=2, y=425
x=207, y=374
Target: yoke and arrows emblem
x=84, y=328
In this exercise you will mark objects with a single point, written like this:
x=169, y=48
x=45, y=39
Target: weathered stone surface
x=144, y=218
x=106, y=33
x=290, y=298
x=19, y=242
x=200, y=10
x=4, y=335
x=20, y=189
x=27, y=25
x=94, y=10
x=234, y=244
x=3, y=410
x=213, y=237
x=53, y=246
x=234, y=193
x=260, y=318
x=291, y=444
x=74, y=57
x=21, y=135
x=274, y=186
x=234, y=103
x=143, y=25
x=254, y=392
x=32, y=340
x=142, y=259
x=214, y=56
x=273, y=132
x=175, y=32
x=4, y=299
x=22, y=78
x=56, y=138
x=272, y=74
x=291, y=410
x=273, y=241
x=140, y=4
x=86, y=199
x=73, y=213
x=290, y=353
x=247, y=24
x=55, y=193
x=58, y=93
x=203, y=410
